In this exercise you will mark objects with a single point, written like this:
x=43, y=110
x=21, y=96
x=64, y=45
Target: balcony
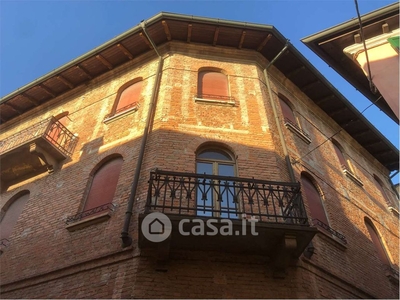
x=35, y=150
x=237, y=208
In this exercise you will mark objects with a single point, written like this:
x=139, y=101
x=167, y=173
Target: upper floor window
x=380, y=186
x=103, y=184
x=290, y=120
x=314, y=199
x=128, y=97
x=376, y=240
x=11, y=212
x=213, y=85
x=345, y=165
x=218, y=203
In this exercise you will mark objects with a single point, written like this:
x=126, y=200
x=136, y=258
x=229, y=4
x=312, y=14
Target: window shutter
x=129, y=96
x=380, y=188
x=377, y=243
x=104, y=184
x=287, y=112
x=340, y=155
x=314, y=200
x=212, y=83
x=11, y=216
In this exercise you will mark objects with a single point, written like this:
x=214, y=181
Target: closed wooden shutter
x=212, y=84
x=11, y=216
x=287, y=112
x=129, y=96
x=314, y=200
x=340, y=155
x=55, y=134
x=104, y=184
x=379, y=185
x=377, y=242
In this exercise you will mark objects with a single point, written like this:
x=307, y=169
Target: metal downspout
x=126, y=239
x=278, y=124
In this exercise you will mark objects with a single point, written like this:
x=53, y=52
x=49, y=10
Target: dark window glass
x=219, y=202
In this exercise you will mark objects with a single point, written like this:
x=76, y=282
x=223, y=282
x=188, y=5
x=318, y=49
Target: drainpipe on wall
x=126, y=239
x=278, y=123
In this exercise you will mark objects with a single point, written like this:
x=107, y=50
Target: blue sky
x=37, y=37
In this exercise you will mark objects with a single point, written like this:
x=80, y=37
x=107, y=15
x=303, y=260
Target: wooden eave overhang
x=329, y=45
x=166, y=27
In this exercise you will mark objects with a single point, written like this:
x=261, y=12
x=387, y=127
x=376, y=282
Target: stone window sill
x=215, y=102
x=120, y=115
x=353, y=177
x=293, y=128
x=102, y=217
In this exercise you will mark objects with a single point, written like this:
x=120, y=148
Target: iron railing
x=329, y=229
x=225, y=197
x=50, y=129
x=90, y=212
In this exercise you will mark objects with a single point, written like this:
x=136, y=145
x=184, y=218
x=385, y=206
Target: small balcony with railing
x=35, y=150
x=228, y=214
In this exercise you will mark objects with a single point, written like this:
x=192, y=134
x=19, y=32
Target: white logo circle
x=156, y=227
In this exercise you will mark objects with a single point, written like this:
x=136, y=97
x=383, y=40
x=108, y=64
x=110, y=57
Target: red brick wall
x=45, y=260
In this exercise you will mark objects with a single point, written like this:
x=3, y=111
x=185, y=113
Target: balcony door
x=215, y=196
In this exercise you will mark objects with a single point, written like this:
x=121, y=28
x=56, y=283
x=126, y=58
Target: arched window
x=339, y=154
x=218, y=203
x=103, y=184
x=376, y=240
x=11, y=213
x=128, y=97
x=313, y=199
x=212, y=84
x=379, y=185
x=287, y=111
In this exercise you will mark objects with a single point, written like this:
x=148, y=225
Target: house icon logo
x=156, y=227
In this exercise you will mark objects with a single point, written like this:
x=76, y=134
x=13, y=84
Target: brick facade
x=45, y=260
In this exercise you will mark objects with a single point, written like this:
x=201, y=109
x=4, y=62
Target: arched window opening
x=103, y=184
x=314, y=199
x=11, y=214
x=219, y=202
x=376, y=240
x=379, y=185
x=340, y=155
x=287, y=111
x=212, y=85
x=128, y=97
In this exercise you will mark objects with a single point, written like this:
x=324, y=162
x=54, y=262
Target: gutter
x=387, y=11
x=126, y=238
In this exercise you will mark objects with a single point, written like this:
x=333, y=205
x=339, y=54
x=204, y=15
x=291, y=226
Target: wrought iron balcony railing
x=225, y=197
x=90, y=212
x=50, y=129
x=329, y=229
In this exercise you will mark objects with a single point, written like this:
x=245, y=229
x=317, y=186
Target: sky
x=37, y=37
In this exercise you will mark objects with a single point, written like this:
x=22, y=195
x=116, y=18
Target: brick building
x=199, y=119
